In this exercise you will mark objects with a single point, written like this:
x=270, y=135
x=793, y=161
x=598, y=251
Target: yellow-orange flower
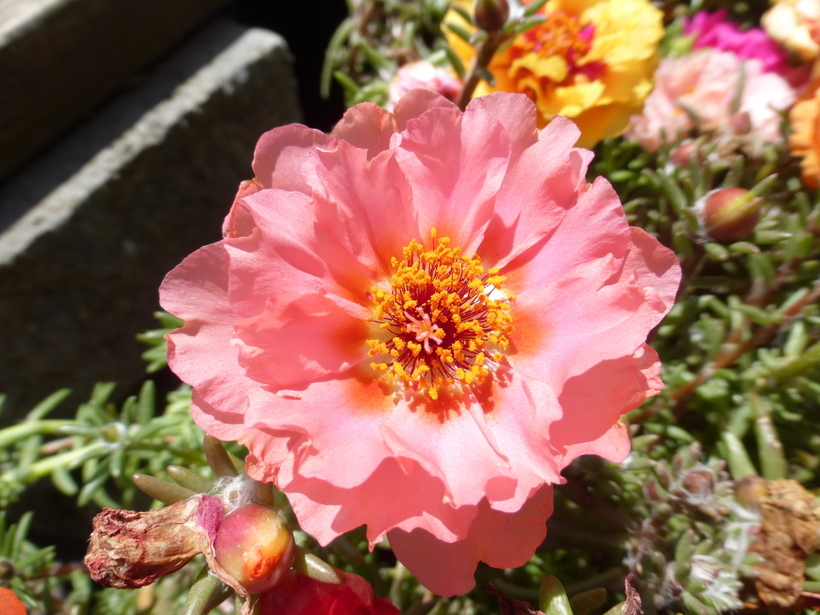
x=796, y=25
x=805, y=138
x=591, y=60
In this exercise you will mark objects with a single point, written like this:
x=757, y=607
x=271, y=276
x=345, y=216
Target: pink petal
x=594, y=400
x=499, y=539
x=415, y=103
x=200, y=352
x=557, y=336
x=593, y=227
x=237, y=224
x=518, y=412
x=299, y=256
x=366, y=126
x=381, y=502
x=455, y=164
x=370, y=127
x=541, y=185
x=285, y=157
x=301, y=338
x=518, y=116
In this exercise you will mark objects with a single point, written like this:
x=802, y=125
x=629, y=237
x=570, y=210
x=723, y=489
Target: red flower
x=298, y=594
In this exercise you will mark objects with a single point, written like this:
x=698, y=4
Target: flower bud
x=255, y=546
x=686, y=150
x=491, y=15
x=729, y=214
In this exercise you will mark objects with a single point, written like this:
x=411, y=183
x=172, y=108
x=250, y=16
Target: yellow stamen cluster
x=561, y=35
x=445, y=320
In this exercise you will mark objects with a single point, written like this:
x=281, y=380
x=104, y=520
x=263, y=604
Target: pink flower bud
x=686, y=150
x=741, y=123
x=491, y=15
x=729, y=214
x=255, y=546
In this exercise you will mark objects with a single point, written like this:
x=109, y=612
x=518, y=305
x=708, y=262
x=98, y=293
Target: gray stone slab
x=60, y=58
x=88, y=232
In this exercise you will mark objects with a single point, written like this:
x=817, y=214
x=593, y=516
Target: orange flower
x=805, y=137
x=591, y=60
x=10, y=604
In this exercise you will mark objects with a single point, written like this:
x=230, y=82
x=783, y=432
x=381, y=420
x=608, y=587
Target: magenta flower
x=715, y=30
x=416, y=322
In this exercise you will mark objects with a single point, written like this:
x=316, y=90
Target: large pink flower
x=417, y=321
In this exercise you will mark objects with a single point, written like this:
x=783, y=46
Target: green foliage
x=155, y=338
x=92, y=458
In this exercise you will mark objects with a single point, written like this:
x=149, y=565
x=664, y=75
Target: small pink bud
x=255, y=546
x=686, y=150
x=741, y=123
x=491, y=15
x=730, y=214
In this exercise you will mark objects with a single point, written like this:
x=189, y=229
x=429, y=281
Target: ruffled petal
x=594, y=401
x=558, y=337
x=540, y=187
x=200, y=352
x=286, y=157
x=502, y=540
x=367, y=126
x=593, y=227
x=455, y=164
x=301, y=338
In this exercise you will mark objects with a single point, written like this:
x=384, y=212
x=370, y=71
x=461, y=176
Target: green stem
x=480, y=63
x=46, y=466
x=809, y=359
x=773, y=463
x=15, y=433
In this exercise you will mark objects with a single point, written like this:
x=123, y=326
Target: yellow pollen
x=446, y=320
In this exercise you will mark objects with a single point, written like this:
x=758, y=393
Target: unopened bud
x=684, y=152
x=255, y=546
x=741, y=123
x=729, y=214
x=491, y=15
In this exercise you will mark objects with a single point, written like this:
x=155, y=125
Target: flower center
x=445, y=318
x=561, y=35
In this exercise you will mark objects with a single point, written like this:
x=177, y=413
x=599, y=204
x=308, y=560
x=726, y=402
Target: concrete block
x=88, y=232
x=60, y=58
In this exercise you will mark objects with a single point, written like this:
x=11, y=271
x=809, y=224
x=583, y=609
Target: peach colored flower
x=591, y=61
x=796, y=25
x=423, y=75
x=805, y=136
x=416, y=322
x=697, y=92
